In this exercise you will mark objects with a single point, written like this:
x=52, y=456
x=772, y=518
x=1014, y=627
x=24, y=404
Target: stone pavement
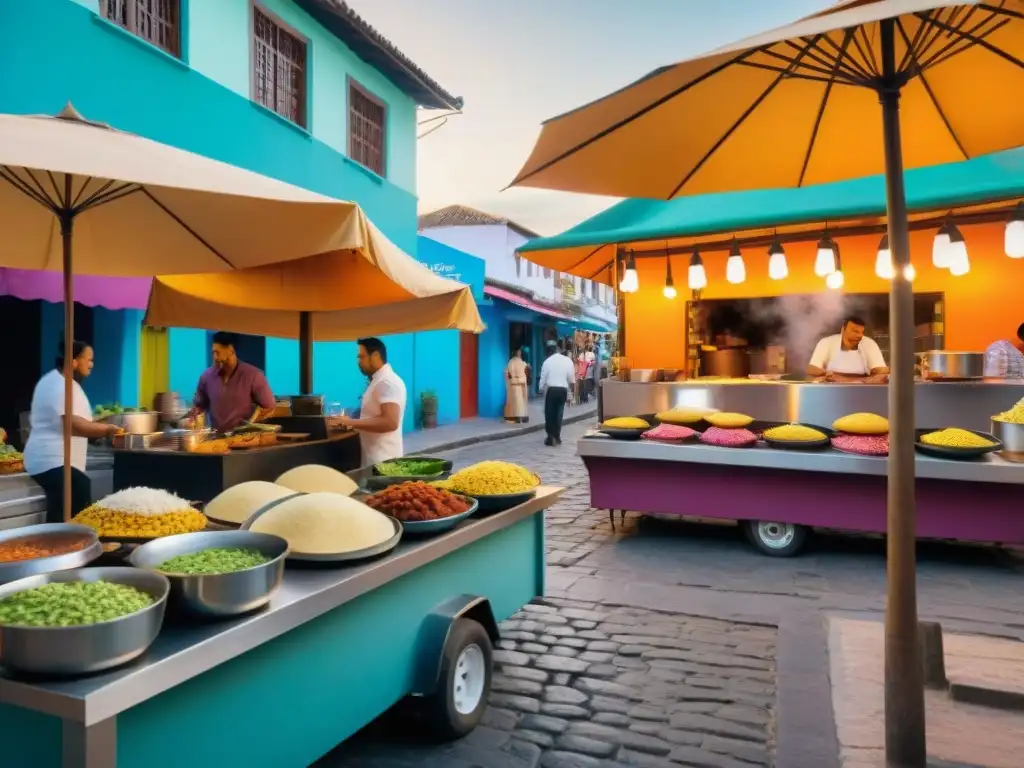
x=467, y=431
x=689, y=624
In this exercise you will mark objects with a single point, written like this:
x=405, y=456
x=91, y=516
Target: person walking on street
x=557, y=377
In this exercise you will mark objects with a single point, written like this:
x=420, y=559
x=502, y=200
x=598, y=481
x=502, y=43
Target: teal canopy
x=989, y=179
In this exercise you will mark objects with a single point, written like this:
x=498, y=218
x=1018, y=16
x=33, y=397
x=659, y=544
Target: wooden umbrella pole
x=66, y=225
x=905, y=745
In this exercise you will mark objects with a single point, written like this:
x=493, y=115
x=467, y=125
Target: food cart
x=780, y=495
x=334, y=649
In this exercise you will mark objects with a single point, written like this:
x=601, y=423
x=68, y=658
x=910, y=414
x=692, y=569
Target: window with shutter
x=278, y=68
x=367, y=127
x=155, y=21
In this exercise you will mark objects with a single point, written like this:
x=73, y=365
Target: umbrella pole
x=905, y=745
x=305, y=354
x=67, y=222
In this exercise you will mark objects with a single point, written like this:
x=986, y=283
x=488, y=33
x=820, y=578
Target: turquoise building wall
x=65, y=52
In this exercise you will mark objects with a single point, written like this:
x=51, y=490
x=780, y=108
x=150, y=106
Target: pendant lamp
x=778, y=269
x=735, y=269
x=669, y=291
x=940, y=246
x=1015, y=233
x=883, y=262
x=825, y=262
x=630, y=279
x=959, y=262
x=835, y=278
x=697, y=278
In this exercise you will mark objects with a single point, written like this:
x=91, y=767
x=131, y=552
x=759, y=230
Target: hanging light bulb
x=883, y=262
x=959, y=262
x=835, y=279
x=669, y=291
x=778, y=269
x=909, y=273
x=735, y=269
x=630, y=279
x=697, y=278
x=825, y=262
x=1014, y=243
x=940, y=246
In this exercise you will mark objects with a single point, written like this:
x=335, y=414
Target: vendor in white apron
x=848, y=356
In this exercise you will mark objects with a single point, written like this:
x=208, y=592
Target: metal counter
x=989, y=469
x=969, y=405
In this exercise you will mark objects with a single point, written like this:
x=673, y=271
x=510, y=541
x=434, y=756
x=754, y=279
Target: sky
x=519, y=62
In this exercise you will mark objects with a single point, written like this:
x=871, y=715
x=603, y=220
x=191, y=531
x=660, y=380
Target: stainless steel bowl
x=220, y=594
x=22, y=569
x=957, y=366
x=1012, y=436
x=74, y=651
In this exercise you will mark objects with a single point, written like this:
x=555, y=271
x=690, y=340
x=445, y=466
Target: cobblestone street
x=663, y=643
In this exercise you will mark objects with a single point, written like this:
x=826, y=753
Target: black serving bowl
x=799, y=445
x=945, y=452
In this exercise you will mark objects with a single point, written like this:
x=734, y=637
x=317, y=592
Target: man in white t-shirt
x=382, y=408
x=848, y=356
x=557, y=378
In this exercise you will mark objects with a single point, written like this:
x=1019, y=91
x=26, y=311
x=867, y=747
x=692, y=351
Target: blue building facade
x=344, y=125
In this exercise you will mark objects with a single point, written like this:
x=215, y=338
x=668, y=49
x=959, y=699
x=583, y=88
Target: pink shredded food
x=866, y=445
x=728, y=438
x=670, y=432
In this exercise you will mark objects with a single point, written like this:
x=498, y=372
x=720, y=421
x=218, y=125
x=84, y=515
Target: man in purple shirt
x=231, y=392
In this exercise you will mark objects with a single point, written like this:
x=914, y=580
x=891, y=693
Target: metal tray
x=944, y=452
x=801, y=445
x=433, y=527
x=501, y=501
x=21, y=569
x=336, y=557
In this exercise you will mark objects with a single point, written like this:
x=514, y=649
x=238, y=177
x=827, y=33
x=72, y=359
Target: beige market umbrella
x=371, y=289
x=800, y=105
x=84, y=198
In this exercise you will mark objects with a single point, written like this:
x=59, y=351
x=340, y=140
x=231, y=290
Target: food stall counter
x=779, y=495
x=202, y=476
x=279, y=688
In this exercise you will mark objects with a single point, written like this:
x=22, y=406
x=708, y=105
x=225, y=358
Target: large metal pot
x=1012, y=437
x=727, y=363
x=138, y=423
x=959, y=366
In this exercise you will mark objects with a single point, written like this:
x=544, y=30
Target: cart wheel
x=458, y=705
x=775, y=539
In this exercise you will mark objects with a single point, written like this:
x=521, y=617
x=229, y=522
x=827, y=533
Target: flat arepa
x=239, y=502
x=325, y=524
x=316, y=478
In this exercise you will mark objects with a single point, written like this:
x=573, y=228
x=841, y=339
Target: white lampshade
x=940, y=247
x=835, y=280
x=959, y=262
x=697, y=277
x=825, y=262
x=1014, y=243
x=630, y=279
x=883, y=262
x=735, y=269
x=669, y=292
x=778, y=269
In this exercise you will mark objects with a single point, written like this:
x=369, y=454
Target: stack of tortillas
x=325, y=523
x=316, y=478
x=238, y=503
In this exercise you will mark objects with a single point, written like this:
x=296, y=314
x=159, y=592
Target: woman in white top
x=44, y=451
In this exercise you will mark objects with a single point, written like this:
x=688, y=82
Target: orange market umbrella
x=800, y=105
x=371, y=289
x=84, y=198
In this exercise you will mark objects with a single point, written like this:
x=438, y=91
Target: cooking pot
x=307, y=405
x=727, y=363
x=955, y=366
x=1012, y=437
